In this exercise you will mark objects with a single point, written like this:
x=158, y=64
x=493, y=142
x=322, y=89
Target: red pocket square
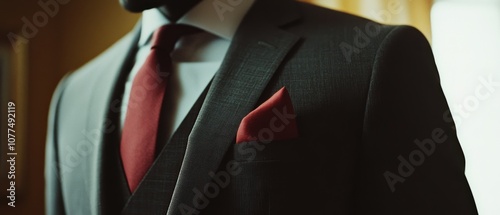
x=273, y=120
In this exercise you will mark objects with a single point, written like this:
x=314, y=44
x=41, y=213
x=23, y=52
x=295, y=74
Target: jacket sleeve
x=411, y=161
x=54, y=204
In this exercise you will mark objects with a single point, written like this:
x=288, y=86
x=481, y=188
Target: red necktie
x=140, y=130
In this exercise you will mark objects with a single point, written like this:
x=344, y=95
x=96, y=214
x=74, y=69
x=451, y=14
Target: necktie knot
x=166, y=36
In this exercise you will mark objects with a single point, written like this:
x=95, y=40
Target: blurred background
x=465, y=35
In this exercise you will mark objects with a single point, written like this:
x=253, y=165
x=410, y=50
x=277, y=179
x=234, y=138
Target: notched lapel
x=256, y=52
x=102, y=122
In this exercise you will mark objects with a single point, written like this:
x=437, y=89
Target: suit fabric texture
x=375, y=135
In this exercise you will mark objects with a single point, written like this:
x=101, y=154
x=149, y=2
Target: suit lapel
x=256, y=52
x=104, y=124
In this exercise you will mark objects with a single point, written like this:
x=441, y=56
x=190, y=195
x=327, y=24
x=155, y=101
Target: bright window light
x=466, y=43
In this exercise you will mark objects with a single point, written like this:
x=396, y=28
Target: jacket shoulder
x=113, y=55
x=337, y=23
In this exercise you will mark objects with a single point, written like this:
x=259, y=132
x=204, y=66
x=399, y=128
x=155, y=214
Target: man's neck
x=174, y=10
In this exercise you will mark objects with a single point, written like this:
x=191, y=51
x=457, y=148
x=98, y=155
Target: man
x=264, y=107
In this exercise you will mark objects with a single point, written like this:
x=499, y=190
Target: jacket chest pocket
x=272, y=178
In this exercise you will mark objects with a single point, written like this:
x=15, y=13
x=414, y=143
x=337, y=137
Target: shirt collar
x=221, y=20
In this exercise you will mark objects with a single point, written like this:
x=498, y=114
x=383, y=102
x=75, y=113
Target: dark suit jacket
x=375, y=132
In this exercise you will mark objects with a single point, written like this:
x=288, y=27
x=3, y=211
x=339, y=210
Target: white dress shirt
x=196, y=58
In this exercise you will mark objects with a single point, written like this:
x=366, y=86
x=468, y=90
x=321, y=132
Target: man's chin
x=137, y=6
